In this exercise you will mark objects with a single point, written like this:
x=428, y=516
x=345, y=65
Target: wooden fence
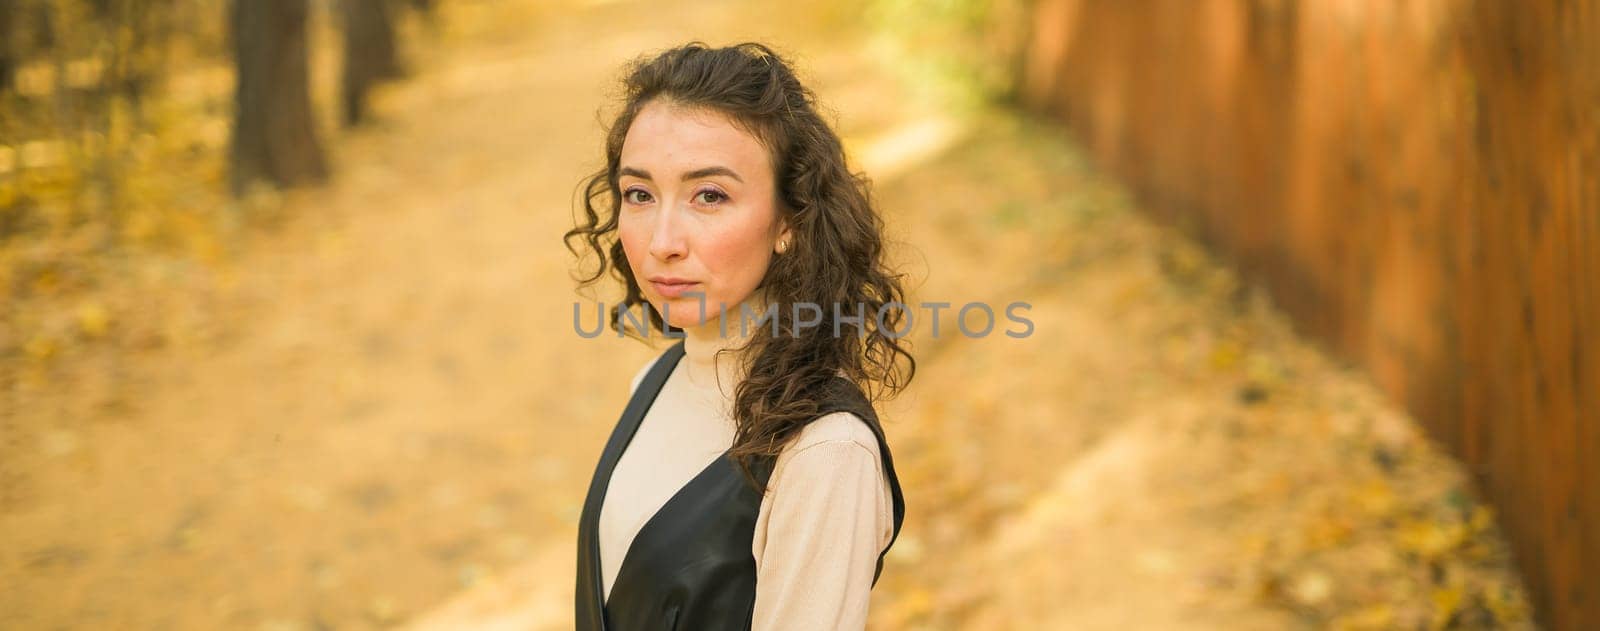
x=1417, y=183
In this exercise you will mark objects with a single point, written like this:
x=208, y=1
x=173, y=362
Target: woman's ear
x=785, y=238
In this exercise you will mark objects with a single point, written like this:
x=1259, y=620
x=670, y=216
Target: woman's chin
x=687, y=322
x=684, y=313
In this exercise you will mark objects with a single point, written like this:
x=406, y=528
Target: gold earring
x=783, y=246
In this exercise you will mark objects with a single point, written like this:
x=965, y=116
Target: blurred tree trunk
x=274, y=133
x=8, y=62
x=369, y=53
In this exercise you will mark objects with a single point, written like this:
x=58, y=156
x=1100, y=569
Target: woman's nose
x=668, y=240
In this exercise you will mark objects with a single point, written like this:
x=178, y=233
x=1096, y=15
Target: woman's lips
x=673, y=290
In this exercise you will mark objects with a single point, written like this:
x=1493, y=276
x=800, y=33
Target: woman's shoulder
x=833, y=428
x=639, y=376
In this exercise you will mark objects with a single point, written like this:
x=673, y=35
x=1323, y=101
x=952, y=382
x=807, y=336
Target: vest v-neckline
x=640, y=535
x=675, y=355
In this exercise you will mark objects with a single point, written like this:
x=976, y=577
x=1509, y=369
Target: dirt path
x=385, y=434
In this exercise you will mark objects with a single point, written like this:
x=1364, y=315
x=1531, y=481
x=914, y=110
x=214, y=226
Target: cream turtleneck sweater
x=828, y=513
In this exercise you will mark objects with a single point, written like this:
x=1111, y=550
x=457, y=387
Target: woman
x=747, y=484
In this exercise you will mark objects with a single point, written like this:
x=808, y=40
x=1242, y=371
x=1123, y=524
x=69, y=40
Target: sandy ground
x=373, y=422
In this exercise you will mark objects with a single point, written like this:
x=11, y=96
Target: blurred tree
x=274, y=134
x=369, y=53
x=8, y=60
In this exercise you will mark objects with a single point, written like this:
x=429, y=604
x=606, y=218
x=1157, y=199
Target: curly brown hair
x=836, y=257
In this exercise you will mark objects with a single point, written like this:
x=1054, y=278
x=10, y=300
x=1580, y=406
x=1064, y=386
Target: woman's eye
x=627, y=196
x=714, y=196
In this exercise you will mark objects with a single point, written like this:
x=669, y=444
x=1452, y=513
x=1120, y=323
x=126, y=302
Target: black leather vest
x=690, y=565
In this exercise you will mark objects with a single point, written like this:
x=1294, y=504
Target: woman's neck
x=706, y=369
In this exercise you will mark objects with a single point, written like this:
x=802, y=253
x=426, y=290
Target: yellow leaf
x=1482, y=518
x=1375, y=617
x=1376, y=498
x=1225, y=355
x=1446, y=602
x=1312, y=588
x=1327, y=532
x=93, y=319
x=1430, y=539
x=40, y=348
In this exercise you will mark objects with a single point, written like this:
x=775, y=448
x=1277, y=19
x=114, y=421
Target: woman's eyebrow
x=697, y=173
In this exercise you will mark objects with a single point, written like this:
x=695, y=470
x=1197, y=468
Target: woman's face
x=698, y=206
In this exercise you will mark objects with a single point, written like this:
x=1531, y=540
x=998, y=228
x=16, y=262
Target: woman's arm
x=828, y=518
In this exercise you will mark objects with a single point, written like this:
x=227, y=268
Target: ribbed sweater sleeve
x=820, y=531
